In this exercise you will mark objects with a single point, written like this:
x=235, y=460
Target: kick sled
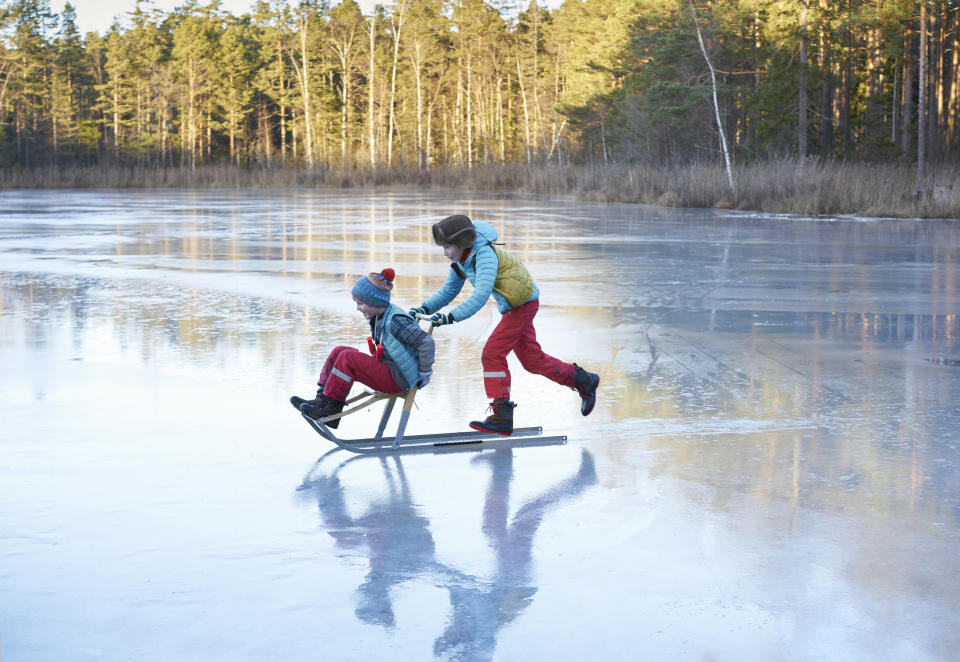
x=402, y=443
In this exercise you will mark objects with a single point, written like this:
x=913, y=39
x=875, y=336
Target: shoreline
x=786, y=186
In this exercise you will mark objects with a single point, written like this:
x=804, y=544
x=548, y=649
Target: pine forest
x=422, y=84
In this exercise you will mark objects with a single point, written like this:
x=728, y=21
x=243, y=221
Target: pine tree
x=66, y=80
x=193, y=47
x=27, y=83
x=427, y=47
x=346, y=42
x=274, y=78
x=235, y=67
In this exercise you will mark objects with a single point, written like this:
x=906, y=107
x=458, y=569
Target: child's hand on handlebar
x=439, y=319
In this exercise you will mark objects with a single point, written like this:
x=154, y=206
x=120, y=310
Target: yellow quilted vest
x=513, y=282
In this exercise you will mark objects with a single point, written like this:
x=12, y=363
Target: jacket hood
x=486, y=234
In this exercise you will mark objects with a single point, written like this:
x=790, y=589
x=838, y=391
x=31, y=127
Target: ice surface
x=771, y=471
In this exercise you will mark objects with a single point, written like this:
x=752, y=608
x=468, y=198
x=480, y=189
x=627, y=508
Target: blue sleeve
x=451, y=288
x=487, y=265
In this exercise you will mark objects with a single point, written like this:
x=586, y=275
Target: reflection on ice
x=771, y=470
x=396, y=542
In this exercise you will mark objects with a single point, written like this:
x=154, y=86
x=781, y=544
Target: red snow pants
x=346, y=365
x=515, y=333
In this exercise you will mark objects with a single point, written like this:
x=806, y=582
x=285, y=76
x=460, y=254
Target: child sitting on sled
x=497, y=273
x=401, y=353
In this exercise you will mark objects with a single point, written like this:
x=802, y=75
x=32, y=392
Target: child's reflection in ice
x=390, y=533
x=481, y=608
x=397, y=541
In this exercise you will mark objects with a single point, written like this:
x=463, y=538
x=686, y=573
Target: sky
x=97, y=15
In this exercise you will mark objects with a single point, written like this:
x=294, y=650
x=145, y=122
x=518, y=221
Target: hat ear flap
x=466, y=238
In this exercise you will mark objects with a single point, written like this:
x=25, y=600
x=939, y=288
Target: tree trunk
x=716, y=103
x=526, y=112
x=399, y=14
x=844, y=110
x=267, y=147
x=922, y=102
x=938, y=85
x=502, y=138
x=872, y=75
x=429, y=143
x=894, y=109
x=283, y=136
x=54, y=126
x=344, y=101
x=191, y=121
x=283, y=111
x=469, y=111
x=305, y=90
x=802, y=85
x=826, y=87
x=371, y=135
x=116, y=120
x=953, y=106
x=906, y=102
x=458, y=114
x=952, y=100
x=232, y=122
x=418, y=82
x=208, y=147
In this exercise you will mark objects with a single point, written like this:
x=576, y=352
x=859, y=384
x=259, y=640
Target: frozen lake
x=771, y=471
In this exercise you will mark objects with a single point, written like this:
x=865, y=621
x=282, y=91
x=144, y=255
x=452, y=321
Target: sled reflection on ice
x=396, y=539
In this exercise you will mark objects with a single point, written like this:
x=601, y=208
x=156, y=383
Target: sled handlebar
x=422, y=317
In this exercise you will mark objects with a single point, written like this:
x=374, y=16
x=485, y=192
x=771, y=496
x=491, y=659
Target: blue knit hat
x=374, y=289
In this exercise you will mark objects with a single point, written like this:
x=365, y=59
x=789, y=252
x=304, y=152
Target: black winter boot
x=500, y=421
x=296, y=400
x=324, y=407
x=586, y=384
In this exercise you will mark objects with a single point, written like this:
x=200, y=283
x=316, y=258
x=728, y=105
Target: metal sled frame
x=419, y=442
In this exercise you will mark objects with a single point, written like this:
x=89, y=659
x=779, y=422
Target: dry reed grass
x=786, y=186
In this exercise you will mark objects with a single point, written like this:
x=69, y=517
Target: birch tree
x=716, y=103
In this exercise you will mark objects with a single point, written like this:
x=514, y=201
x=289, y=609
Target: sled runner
x=399, y=442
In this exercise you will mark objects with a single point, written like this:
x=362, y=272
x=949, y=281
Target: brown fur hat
x=456, y=230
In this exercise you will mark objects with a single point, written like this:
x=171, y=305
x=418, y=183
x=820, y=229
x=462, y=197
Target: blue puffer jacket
x=481, y=269
x=403, y=356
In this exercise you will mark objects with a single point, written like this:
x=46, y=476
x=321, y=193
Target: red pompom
x=388, y=274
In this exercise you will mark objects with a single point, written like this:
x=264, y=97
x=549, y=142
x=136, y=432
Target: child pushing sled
x=494, y=272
